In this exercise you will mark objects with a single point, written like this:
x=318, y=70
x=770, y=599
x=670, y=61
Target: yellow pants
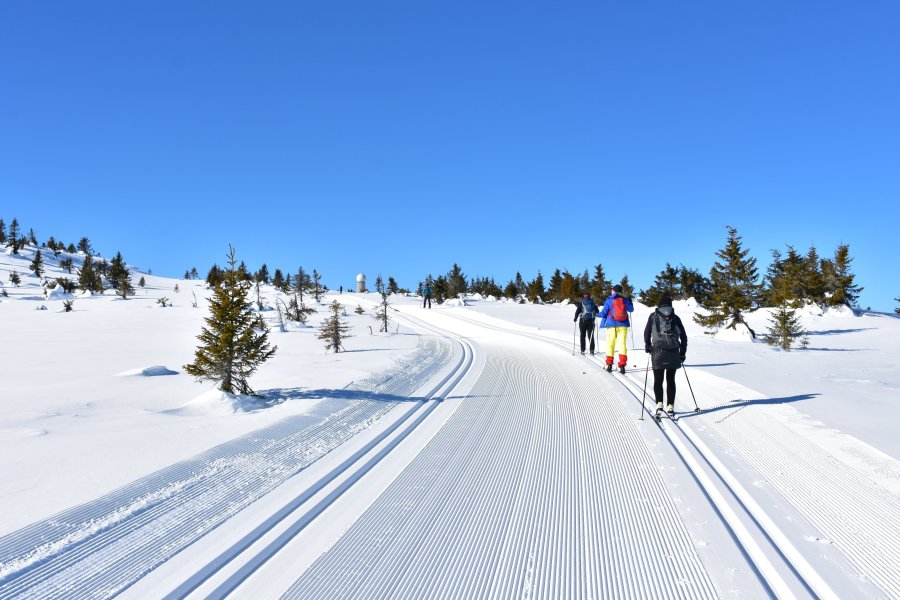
x=616, y=336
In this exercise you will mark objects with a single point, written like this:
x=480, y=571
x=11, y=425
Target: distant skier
x=666, y=341
x=586, y=311
x=427, y=293
x=614, y=317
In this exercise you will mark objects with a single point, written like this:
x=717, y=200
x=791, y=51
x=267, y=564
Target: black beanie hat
x=665, y=300
x=617, y=288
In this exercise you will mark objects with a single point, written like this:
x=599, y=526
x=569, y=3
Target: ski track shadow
x=366, y=350
x=737, y=405
x=727, y=364
x=838, y=331
x=278, y=396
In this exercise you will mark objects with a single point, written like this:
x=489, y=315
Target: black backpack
x=664, y=335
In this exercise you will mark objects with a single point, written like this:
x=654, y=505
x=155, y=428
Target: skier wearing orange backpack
x=614, y=317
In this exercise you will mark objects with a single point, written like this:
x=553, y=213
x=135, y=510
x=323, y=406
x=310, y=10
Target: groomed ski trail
x=538, y=486
x=99, y=549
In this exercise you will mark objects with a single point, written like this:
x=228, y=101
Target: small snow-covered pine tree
x=234, y=343
x=381, y=314
x=14, y=278
x=784, y=327
x=333, y=330
x=37, y=264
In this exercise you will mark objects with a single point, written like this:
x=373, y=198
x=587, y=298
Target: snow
x=470, y=452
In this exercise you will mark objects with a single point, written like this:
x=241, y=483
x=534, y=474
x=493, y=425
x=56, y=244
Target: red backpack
x=618, y=311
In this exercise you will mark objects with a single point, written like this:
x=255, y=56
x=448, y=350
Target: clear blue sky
x=399, y=137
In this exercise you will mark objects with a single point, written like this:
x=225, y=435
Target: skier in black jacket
x=587, y=310
x=666, y=342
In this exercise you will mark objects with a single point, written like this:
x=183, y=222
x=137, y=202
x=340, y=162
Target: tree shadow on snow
x=713, y=364
x=737, y=405
x=838, y=331
x=278, y=396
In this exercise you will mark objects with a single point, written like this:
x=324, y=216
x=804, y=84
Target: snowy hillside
x=468, y=453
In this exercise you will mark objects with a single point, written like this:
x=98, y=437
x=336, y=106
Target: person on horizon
x=614, y=317
x=587, y=310
x=666, y=341
x=426, y=293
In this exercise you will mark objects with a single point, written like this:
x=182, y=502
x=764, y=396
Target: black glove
x=682, y=356
x=648, y=349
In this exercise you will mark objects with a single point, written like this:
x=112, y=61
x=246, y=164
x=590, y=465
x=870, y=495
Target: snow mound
x=454, y=302
x=490, y=299
x=215, y=402
x=57, y=293
x=839, y=311
x=154, y=371
x=739, y=334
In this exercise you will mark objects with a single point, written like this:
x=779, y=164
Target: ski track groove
x=860, y=520
x=91, y=551
x=533, y=532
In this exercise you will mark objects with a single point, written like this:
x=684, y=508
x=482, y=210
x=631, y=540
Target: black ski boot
x=622, y=369
x=609, y=368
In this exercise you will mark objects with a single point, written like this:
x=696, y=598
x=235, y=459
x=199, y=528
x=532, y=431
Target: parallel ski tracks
x=878, y=560
x=100, y=548
x=517, y=498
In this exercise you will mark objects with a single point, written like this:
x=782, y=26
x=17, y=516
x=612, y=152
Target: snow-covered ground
x=467, y=453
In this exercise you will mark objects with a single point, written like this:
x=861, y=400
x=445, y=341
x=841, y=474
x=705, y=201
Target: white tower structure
x=361, y=283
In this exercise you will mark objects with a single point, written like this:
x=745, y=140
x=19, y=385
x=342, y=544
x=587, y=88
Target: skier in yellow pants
x=614, y=317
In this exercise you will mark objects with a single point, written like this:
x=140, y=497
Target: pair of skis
x=660, y=414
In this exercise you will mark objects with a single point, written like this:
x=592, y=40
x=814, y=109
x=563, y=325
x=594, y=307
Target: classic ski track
x=855, y=514
x=556, y=521
x=294, y=522
x=66, y=556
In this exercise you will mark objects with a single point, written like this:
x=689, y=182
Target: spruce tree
x=812, y=277
x=359, y=309
x=2, y=232
x=234, y=342
x=142, y=283
x=897, y=310
x=14, y=236
x=839, y=281
x=381, y=314
x=37, y=264
x=117, y=271
x=194, y=273
x=84, y=245
x=600, y=285
x=536, y=288
x=555, y=284
x=333, y=330
x=124, y=287
x=393, y=288
x=439, y=289
x=278, y=279
x=510, y=291
x=456, y=282
x=317, y=285
x=784, y=327
x=262, y=276
x=568, y=288
x=735, y=288
x=14, y=278
x=32, y=239
x=88, y=278
x=627, y=288
x=214, y=276
x=379, y=284
x=187, y=275
x=301, y=282
x=521, y=288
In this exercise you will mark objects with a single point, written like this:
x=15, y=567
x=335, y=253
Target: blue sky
x=401, y=137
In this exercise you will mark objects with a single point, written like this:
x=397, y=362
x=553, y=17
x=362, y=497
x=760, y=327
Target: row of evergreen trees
x=15, y=239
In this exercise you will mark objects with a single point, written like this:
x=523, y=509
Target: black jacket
x=666, y=359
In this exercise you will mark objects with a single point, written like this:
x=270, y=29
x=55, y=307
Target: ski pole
x=696, y=408
x=644, y=396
